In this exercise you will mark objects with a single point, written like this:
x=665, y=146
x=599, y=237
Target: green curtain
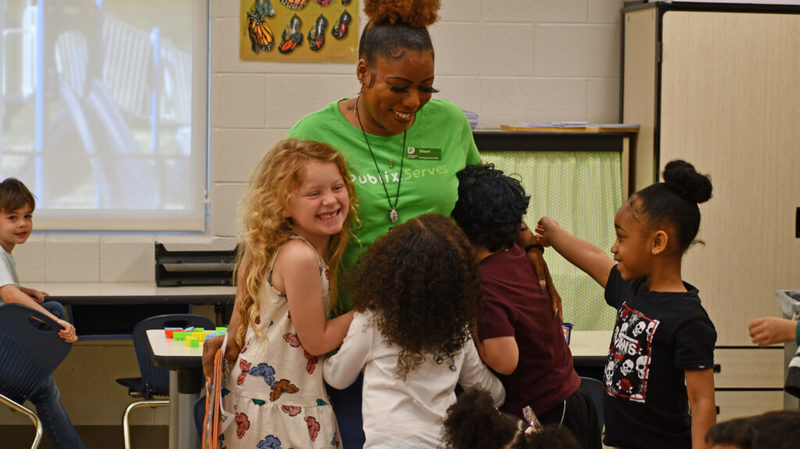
x=582, y=190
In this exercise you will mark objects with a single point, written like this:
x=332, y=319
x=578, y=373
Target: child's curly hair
x=273, y=182
x=396, y=26
x=474, y=422
x=421, y=280
x=490, y=206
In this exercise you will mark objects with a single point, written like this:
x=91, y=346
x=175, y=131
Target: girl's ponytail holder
x=534, y=426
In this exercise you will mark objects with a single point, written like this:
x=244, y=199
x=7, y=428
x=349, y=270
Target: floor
x=93, y=437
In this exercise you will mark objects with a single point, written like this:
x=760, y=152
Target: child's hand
x=36, y=295
x=544, y=229
x=210, y=348
x=67, y=331
x=770, y=330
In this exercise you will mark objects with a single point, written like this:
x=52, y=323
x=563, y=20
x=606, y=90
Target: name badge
x=424, y=154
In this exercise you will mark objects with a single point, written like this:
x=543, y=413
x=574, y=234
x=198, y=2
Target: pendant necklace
x=393, y=217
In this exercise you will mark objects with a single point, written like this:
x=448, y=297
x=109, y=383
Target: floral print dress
x=275, y=388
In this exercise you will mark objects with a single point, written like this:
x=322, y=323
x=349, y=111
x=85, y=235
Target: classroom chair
x=595, y=389
x=30, y=349
x=154, y=380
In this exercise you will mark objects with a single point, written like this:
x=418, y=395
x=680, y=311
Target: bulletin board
x=299, y=30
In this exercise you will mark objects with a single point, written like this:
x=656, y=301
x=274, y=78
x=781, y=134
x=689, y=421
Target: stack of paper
x=551, y=124
x=472, y=117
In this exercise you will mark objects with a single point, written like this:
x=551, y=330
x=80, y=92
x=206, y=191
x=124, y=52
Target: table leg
x=173, y=409
x=186, y=427
x=190, y=382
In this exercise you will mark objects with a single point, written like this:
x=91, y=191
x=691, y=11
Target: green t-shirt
x=438, y=145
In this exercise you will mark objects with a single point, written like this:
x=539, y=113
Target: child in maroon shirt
x=518, y=335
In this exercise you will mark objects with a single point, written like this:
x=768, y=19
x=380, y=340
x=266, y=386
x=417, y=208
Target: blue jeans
x=347, y=407
x=56, y=308
x=47, y=400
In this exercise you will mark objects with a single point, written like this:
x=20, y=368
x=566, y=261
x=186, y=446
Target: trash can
x=789, y=301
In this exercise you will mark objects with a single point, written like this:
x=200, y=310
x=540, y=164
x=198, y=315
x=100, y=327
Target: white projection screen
x=103, y=111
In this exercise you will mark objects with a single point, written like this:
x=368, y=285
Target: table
x=109, y=310
x=590, y=348
x=185, y=383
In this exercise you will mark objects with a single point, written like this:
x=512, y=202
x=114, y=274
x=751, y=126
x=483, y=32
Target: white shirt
x=401, y=414
x=8, y=270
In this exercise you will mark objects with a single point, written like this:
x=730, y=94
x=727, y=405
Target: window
x=103, y=111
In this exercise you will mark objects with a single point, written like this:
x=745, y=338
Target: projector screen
x=103, y=111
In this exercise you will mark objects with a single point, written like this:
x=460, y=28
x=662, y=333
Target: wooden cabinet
x=717, y=85
x=748, y=381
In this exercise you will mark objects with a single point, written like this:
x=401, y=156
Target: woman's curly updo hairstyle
x=674, y=201
x=396, y=26
x=273, y=182
x=490, y=206
x=421, y=281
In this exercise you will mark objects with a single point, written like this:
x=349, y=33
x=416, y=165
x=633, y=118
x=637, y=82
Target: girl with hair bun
x=658, y=378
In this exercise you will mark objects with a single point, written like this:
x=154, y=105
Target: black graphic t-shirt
x=656, y=337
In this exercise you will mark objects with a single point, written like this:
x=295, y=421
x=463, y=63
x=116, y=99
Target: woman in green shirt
x=403, y=150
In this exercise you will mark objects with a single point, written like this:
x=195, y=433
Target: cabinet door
x=730, y=103
x=749, y=368
x=738, y=404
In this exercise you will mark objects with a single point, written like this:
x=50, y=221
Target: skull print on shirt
x=629, y=356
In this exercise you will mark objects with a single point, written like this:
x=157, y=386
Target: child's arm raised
x=700, y=388
x=297, y=274
x=584, y=255
x=12, y=295
x=525, y=239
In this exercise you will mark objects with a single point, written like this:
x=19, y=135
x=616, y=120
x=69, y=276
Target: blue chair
x=154, y=380
x=30, y=349
x=595, y=389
